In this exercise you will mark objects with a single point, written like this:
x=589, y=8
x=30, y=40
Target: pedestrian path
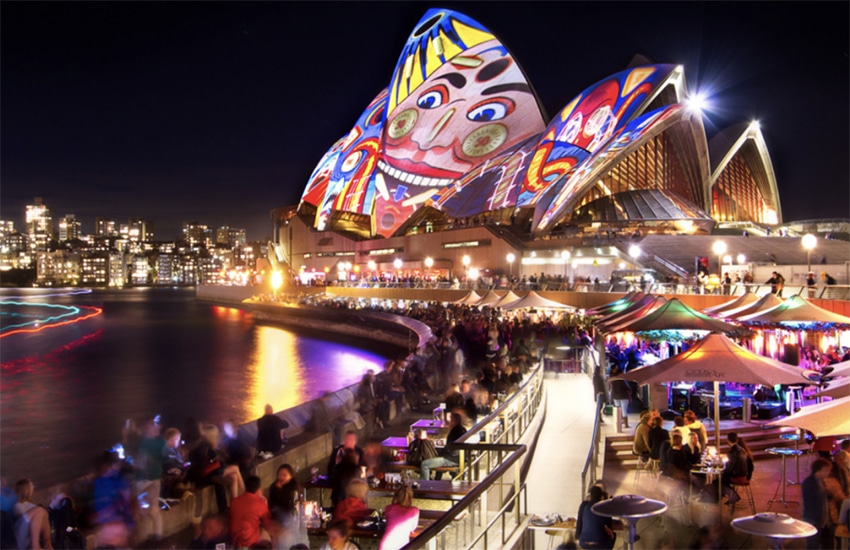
x=554, y=478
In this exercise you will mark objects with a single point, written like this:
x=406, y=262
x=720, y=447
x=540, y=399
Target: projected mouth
x=412, y=179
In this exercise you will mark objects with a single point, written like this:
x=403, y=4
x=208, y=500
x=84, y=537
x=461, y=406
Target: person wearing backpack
x=420, y=448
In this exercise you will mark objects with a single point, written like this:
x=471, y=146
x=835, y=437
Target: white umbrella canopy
x=716, y=359
x=534, y=300
x=507, y=299
x=840, y=369
x=837, y=389
x=469, y=299
x=823, y=420
x=489, y=299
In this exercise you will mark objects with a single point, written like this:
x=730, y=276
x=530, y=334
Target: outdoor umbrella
x=488, y=299
x=823, y=420
x=837, y=389
x=716, y=358
x=469, y=299
x=796, y=311
x=741, y=301
x=507, y=299
x=768, y=301
x=674, y=315
x=534, y=300
x=616, y=305
x=645, y=305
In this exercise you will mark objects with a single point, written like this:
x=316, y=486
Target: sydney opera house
x=455, y=153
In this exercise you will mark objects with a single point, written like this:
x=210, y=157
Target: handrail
x=592, y=461
x=474, y=494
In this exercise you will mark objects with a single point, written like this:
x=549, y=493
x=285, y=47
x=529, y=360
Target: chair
x=644, y=465
x=745, y=490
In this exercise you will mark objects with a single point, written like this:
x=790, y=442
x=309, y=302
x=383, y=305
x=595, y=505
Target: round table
x=775, y=527
x=629, y=508
x=784, y=452
x=795, y=437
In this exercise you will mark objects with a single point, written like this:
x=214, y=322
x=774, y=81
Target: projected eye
x=433, y=98
x=403, y=123
x=490, y=110
x=351, y=161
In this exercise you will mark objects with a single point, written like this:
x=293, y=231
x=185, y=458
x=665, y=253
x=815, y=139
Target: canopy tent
x=716, y=358
x=823, y=420
x=768, y=301
x=840, y=369
x=616, y=305
x=506, y=300
x=534, y=300
x=836, y=389
x=741, y=301
x=469, y=299
x=489, y=299
x=674, y=315
x=646, y=304
x=796, y=311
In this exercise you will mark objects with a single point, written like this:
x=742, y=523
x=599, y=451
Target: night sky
x=218, y=112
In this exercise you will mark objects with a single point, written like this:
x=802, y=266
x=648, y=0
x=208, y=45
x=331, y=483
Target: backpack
x=63, y=526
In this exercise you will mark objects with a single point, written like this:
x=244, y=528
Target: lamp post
x=719, y=249
x=809, y=241
x=510, y=258
x=635, y=252
x=741, y=259
x=277, y=281
x=429, y=263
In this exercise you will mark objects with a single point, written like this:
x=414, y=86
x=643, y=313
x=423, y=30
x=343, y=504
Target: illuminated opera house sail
x=458, y=136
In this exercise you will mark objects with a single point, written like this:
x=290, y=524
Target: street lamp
x=727, y=259
x=741, y=259
x=510, y=258
x=372, y=265
x=809, y=241
x=635, y=252
x=277, y=281
x=719, y=249
x=429, y=263
x=397, y=264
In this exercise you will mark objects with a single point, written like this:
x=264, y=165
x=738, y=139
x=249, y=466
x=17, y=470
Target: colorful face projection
x=459, y=129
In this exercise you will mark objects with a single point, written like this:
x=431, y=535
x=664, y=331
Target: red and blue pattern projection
x=459, y=129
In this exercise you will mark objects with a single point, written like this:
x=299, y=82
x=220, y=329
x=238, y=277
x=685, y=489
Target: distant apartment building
x=167, y=269
x=140, y=272
x=230, y=236
x=6, y=229
x=69, y=228
x=59, y=268
x=104, y=227
x=187, y=266
x=136, y=230
x=197, y=234
x=117, y=269
x=39, y=222
x=94, y=270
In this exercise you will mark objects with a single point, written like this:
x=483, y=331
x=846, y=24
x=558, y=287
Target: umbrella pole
x=717, y=415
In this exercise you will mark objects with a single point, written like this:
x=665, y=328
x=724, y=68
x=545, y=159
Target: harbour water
x=65, y=392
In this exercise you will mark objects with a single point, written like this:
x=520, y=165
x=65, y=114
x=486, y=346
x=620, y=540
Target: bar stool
x=745, y=491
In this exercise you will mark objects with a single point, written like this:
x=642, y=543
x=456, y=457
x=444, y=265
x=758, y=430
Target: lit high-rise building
x=230, y=235
x=196, y=234
x=6, y=229
x=104, y=227
x=69, y=228
x=39, y=220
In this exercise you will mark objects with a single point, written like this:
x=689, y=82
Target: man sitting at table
x=450, y=455
x=421, y=448
x=250, y=519
x=737, y=468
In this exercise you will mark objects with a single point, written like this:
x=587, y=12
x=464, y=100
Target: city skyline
x=219, y=112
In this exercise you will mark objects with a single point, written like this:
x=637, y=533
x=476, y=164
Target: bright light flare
x=697, y=103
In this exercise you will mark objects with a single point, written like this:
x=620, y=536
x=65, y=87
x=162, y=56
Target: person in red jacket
x=250, y=519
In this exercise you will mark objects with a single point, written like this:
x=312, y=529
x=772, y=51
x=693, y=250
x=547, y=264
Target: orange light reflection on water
x=274, y=375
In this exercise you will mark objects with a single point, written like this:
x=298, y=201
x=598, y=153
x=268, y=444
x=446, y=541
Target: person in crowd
x=777, y=283
x=592, y=530
x=283, y=494
x=827, y=279
x=402, y=519
x=640, y=445
x=353, y=506
x=250, y=518
x=450, y=455
x=339, y=531
x=236, y=453
x=375, y=458
x=657, y=436
x=824, y=446
x=149, y=460
x=32, y=524
x=112, y=491
x=737, y=469
x=420, y=448
x=271, y=431
x=816, y=505
x=367, y=401
x=842, y=459
x=349, y=443
x=174, y=466
x=679, y=424
x=320, y=417
x=676, y=466
x=210, y=534
x=693, y=424
x=621, y=394
x=453, y=399
x=693, y=450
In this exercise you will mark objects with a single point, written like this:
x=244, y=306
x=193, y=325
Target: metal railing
x=591, y=464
